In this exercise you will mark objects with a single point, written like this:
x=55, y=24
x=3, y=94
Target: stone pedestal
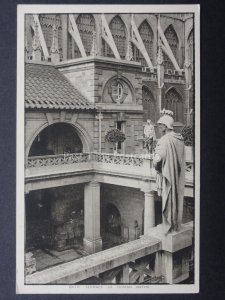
x=92, y=246
x=176, y=250
x=92, y=240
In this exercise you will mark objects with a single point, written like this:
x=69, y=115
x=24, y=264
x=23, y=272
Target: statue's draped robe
x=170, y=179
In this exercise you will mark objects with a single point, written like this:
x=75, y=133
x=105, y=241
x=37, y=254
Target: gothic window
x=190, y=47
x=149, y=105
x=47, y=21
x=173, y=42
x=86, y=26
x=146, y=34
x=118, y=31
x=173, y=101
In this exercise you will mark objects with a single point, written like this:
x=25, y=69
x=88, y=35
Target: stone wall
x=66, y=201
x=129, y=202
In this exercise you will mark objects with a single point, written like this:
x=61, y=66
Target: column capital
x=147, y=190
x=94, y=183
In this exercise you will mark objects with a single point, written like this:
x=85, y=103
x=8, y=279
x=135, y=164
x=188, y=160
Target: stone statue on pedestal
x=149, y=135
x=169, y=162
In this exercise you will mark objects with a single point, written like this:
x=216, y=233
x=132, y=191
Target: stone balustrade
x=140, y=165
x=60, y=159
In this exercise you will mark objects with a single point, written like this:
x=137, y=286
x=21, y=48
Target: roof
x=46, y=87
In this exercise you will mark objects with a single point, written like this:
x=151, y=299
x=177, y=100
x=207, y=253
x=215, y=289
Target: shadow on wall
x=55, y=139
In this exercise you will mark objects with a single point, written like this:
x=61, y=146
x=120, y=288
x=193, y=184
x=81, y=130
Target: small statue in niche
x=149, y=136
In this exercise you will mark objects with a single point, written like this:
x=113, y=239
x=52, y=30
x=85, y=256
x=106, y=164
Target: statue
x=169, y=162
x=149, y=134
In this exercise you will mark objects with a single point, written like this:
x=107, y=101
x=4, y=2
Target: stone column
x=149, y=210
x=92, y=240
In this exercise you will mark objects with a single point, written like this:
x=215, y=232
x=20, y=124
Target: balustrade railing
x=57, y=160
x=120, y=159
x=139, y=162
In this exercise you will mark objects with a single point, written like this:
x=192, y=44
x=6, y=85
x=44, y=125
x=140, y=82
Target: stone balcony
x=137, y=167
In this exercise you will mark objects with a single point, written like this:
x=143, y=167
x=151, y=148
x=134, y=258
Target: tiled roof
x=46, y=87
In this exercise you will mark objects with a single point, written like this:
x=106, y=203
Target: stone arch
x=113, y=219
x=188, y=31
x=121, y=17
x=81, y=132
x=174, y=101
x=170, y=30
x=120, y=78
x=149, y=104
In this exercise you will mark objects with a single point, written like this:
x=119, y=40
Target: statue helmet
x=166, y=118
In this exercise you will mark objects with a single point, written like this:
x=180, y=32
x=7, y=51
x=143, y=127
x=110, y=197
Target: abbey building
x=86, y=74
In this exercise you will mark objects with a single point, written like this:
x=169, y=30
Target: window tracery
x=173, y=42
x=174, y=102
x=149, y=106
x=146, y=34
x=86, y=26
x=118, y=31
x=47, y=21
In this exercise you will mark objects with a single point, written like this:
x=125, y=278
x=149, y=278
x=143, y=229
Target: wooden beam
x=41, y=37
x=76, y=36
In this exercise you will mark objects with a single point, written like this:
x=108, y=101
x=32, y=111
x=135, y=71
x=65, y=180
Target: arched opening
x=118, y=30
x=112, y=220
x=86, y=26
x=146, y=34
x=173, y=42
x=174, y=102
x=149, y=105
x=56, y=139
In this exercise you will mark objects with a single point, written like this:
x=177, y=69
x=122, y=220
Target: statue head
x=166, y=119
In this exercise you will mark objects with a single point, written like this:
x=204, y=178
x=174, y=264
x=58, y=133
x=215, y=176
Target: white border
x=21, y=288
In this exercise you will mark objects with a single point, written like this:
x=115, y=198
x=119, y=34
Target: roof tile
x=46, y=87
